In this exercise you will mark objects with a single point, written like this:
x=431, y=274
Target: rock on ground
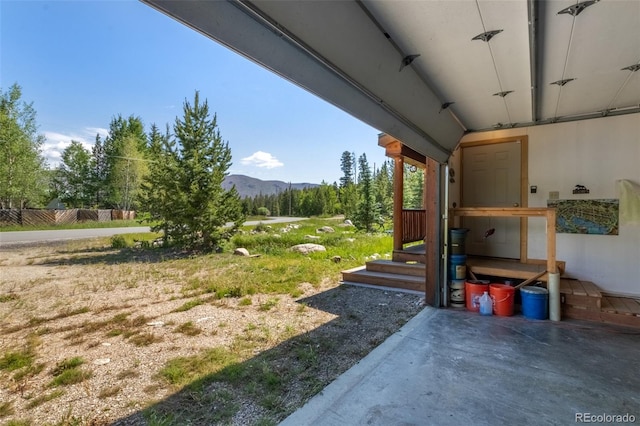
x=308, y=248
x=241, y=251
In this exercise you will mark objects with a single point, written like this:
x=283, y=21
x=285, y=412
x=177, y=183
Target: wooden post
x=551, y=241
x=432, y=250
x=398, y=197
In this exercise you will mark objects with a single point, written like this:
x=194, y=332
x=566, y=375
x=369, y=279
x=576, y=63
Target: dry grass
x=93, y=335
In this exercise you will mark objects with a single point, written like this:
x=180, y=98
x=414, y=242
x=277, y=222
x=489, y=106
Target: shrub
x=118, y=242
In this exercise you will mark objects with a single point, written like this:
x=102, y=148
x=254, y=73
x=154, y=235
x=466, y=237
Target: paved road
x=21, y=237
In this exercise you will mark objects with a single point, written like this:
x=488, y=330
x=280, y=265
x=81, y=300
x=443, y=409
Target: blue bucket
x=457, y=238
x=535, y=302
x=458, y=267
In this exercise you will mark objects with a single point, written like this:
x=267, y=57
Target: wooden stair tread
x=401, y=268
x=579, y=288
x=565, y=286
x=633, y=305
x=388, y=275
x=624, y=305
x=615, y=310
x=363, y=276
x=606, y=306
x=591, y=289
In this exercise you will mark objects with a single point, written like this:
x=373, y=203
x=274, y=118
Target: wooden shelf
x=509, y=268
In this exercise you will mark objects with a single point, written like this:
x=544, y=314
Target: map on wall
x=586, y=216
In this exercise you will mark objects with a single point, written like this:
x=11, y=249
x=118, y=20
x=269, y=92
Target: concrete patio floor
x=447, y=367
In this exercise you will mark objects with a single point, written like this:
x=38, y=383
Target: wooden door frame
x=524, y=182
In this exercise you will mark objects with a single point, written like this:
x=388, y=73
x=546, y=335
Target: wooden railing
x=413, y=225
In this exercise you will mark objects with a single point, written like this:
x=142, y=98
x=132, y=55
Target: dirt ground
x=125, y=322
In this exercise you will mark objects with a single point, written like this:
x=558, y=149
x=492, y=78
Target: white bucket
x=456, y=293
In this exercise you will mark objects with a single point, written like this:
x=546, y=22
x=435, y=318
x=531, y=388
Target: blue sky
x=83, y=62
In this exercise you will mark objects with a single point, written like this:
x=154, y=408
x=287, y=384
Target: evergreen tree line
x=364, y=195
x=176, y=175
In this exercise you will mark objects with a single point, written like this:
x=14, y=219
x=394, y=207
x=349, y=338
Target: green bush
x=118, y=242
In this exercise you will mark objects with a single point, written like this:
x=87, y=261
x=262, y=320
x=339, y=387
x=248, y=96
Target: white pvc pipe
x=445, y=239
x=553, y=285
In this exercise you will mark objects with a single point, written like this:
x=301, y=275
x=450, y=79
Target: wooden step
x=622, y=305
x=583, y=300
x=580, y=294
x=401, y=268
x=362, y=276
x=405, y=256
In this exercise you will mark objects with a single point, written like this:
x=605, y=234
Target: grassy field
x=288, y=328
x=79, y=225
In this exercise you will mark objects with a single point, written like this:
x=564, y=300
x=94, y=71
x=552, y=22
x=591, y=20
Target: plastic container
x=503, y=296
x=486, y=304
x=473, y=290
x=457, y=237
x=535, y=302
x=457, y=266
x=456, y=294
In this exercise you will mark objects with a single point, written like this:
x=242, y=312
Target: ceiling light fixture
x=576, y=9
x=486, y=36
x=407, y=61
x=632, y=68
x=563, y=82
x=445, y=106
x=503, y=94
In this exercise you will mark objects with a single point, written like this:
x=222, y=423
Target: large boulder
x=241, y=251
x=326, y=229
x=308, y=248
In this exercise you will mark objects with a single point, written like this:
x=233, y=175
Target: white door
x=491, y=178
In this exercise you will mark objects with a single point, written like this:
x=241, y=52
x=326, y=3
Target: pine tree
x=346, y=165
x=367, y=214
x=413, y=187
x=187, y=174
x=383, y=189
x=348, y=194
x=99, y=172
x=158, y=187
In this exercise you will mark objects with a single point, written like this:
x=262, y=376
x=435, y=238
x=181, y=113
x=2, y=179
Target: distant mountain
x=250, y=187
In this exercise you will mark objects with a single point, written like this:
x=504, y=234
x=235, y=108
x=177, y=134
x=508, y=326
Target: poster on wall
x=599, y=217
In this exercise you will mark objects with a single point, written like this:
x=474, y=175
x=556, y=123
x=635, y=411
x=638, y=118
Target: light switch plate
x=554, y=195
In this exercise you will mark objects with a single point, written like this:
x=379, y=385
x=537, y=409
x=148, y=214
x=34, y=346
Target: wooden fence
x=31, y=217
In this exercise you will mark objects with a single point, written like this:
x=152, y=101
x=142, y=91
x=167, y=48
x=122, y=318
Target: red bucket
x=503, y=296
x=473, y=290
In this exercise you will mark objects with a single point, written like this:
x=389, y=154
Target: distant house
x=56, y=204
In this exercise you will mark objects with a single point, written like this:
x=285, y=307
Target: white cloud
x=92, y=131
x=262, y=159
x=56, y=142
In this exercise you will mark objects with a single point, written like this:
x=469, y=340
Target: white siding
x=594, y=153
